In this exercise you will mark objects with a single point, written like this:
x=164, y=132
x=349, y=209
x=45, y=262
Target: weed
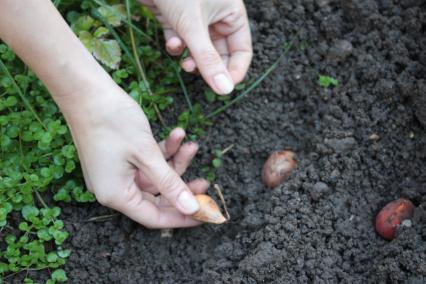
x=210, y=170
x=327, y=81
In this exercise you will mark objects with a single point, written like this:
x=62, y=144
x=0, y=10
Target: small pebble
x=340, y=50
x=407, y=223
x=374, y=137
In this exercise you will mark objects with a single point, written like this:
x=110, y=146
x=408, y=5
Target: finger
x=188, y=64
x=239, y=47
x=179, y=163
x=139, y=206
x=207, y=59
x=174, y=44
x=152, y=163
x=222, y=48
x=171, y=145
x=197, y=186
x=183, y=157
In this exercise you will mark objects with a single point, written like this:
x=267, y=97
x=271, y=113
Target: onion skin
x=278, y=168
x=209, y=211
x=391, y=216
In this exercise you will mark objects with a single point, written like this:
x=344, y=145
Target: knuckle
x=183, y=25
x=210, y=58
x=234, y=17
x=144, y=152
x=169, y=184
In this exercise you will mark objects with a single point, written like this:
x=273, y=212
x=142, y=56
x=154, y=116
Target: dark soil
x=359, y=146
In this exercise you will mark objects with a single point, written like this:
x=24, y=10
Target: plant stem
x=183, y=87
x=101, y=218
x=139, y=65
x=254, y=84
x=222, y=199
x=41, y=199
x=21, y=94
x=227, y=149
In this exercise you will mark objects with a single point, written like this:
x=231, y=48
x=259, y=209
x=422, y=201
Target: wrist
x=91, y=105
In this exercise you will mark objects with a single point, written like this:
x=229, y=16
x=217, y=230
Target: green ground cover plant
x=39, y=167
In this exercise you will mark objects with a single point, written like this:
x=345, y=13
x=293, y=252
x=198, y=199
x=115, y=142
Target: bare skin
x=122, y=163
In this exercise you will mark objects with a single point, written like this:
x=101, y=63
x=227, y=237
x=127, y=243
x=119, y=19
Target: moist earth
x=359, y=145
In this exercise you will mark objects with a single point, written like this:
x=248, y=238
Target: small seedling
x=327, y=81
x=216, y=163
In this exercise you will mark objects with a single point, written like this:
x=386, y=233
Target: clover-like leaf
x=28, y=212
x=108, y=52
x=59, y=275
x=113, y=14
x=87, y=39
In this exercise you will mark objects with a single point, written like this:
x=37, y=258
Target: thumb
x=207, y=59
x=169, y=184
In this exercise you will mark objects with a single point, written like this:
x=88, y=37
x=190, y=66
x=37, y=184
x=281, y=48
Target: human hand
x=124, y=166
x=217, y=34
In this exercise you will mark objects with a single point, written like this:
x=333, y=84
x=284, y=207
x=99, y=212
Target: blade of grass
x=183, y=87
x=254, y=84
x=139, y=65
x=21, y=94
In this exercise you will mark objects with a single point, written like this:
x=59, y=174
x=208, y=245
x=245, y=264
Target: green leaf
x=59, y=275
x=62, y=195
x=46, y=138
x=87, y=39
x=52, y=257
x=217, y=163
x=3, y=267
x=23, y=226
x=101, y=31
x=64, y=253
x=59, y=236
x=210, y=95
x=108, y=52
x=11, y=101
x=240, y=86
x=69, y=167
x=44, y=234
x=29, y=212
x=113, y=14
x=83, y=23
x=327, y=81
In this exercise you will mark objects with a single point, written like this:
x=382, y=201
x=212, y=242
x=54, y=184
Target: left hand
x=217, y=34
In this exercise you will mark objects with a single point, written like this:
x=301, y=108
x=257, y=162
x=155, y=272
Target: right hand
x=125, y=167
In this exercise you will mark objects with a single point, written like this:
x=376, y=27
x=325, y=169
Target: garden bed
x=359, y=145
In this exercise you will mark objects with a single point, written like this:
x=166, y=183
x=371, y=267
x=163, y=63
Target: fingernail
x=188, y=203
x=223, y=83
